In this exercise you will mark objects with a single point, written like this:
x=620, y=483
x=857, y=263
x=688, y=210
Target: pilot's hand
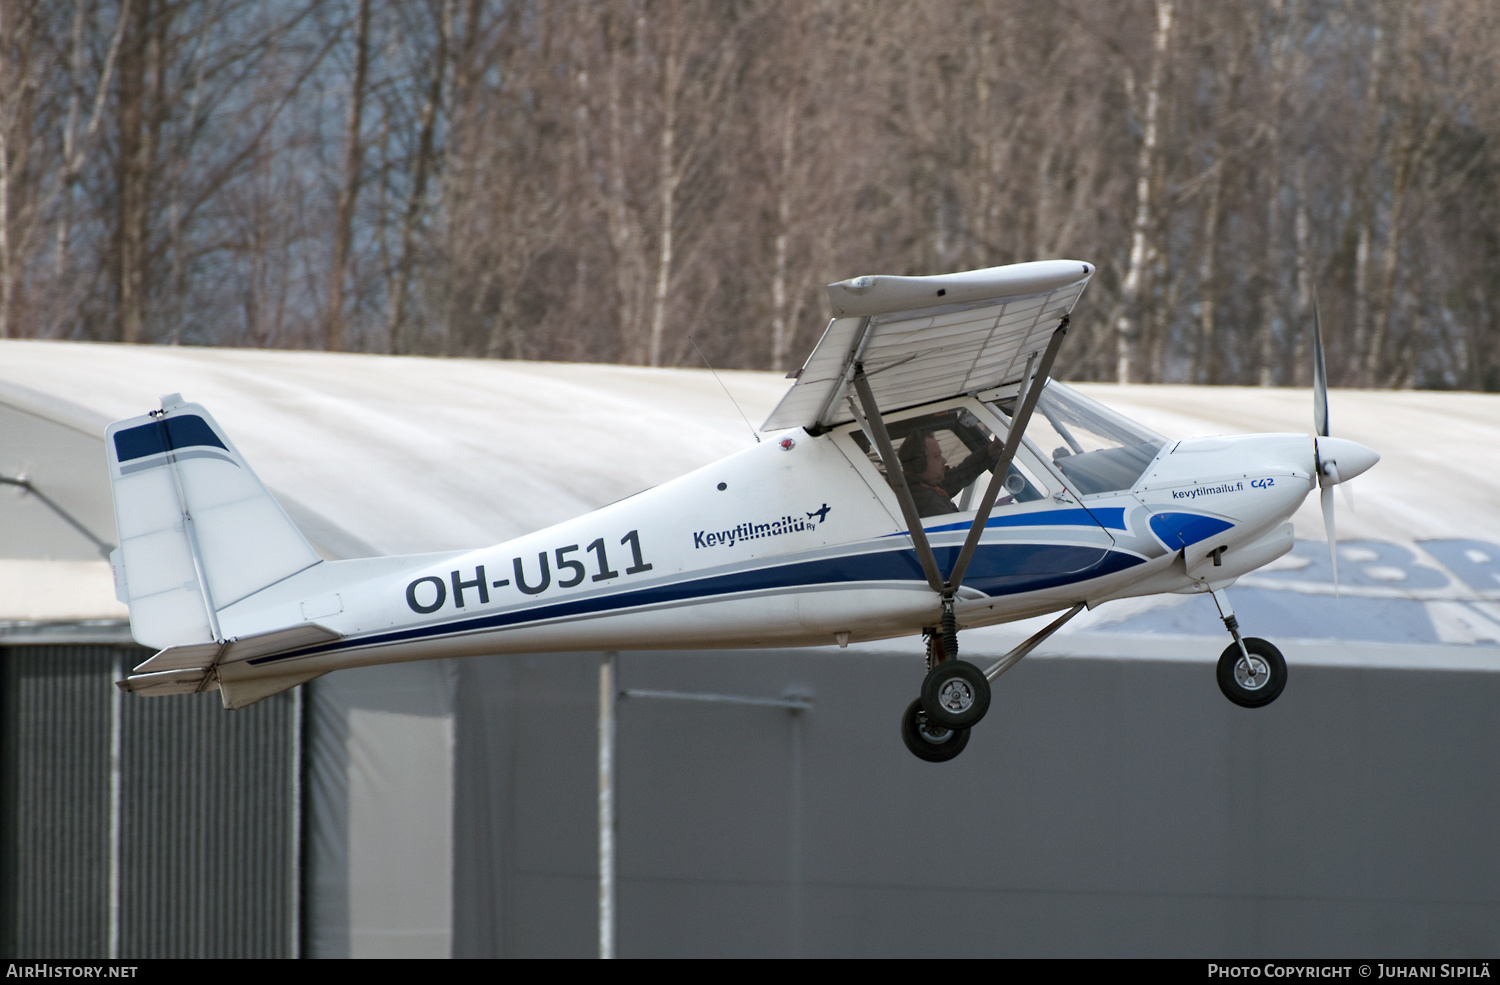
x=996, y=447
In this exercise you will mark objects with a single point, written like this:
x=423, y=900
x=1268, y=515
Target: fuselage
x=798, y=541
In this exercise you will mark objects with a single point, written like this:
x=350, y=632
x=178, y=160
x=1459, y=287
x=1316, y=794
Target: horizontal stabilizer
x=191, y=656
x=204, y=655
x=188, y=681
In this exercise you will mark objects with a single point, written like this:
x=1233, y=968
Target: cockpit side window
x=964, y=443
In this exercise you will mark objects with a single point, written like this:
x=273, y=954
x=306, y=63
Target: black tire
x=955, y=694
x=1265, y=686
x=928, y=742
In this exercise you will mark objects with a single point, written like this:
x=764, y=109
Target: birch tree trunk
x=1131, y=290
x=174, y=207
x=70, y=131
x=76, y=149
x=343, y=239
x=1402, y=154
x=624, y=236
x=1206, y=357
x=1206, y=364
x=396, y=340
x=667, y=179
x=1363, y=204
x=142, y=81
x=1300, y=373
x=783, y=320
x=1270, y=303
x=781, y=328
x=10, y=88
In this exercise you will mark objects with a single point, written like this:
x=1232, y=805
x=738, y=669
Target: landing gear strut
x=1251, y=672
x=952, y=697
x=956, y=694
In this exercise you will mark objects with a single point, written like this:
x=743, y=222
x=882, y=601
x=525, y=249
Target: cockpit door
x=1039, y=534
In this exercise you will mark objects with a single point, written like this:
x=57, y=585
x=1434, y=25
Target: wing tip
x=869, y=295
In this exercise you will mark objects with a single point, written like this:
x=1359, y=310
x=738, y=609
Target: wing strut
x=893, y=468
x=874, y=425
x=1033, y=383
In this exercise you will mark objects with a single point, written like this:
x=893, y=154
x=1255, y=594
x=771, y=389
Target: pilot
x=932, y=482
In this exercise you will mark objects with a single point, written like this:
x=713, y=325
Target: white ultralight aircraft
x=1010, y=496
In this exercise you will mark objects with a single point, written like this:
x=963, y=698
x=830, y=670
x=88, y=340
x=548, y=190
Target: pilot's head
x=922, y=458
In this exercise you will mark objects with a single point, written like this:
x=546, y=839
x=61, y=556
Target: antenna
x=726, y=390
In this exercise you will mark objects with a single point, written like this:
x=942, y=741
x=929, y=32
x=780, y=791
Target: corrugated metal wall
x=206, y=837
x=56, y=717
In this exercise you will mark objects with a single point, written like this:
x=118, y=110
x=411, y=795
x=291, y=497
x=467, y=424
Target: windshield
x=1095, y=449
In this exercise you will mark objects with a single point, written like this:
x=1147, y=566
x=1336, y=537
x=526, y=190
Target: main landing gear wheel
x=928, y=740
x=1258, y=684
x=955, y=694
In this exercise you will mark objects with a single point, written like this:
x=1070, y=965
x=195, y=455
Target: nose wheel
x=1252, y=682
x=1251, y=671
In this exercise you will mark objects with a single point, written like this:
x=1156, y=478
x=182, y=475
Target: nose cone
x=1350, y=457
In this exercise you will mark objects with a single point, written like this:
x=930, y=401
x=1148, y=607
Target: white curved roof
x=370, y=454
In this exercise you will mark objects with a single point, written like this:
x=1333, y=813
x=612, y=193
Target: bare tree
x=352, y=177
x=423, y=163
x=21, y=71
x=598, y=181
x=1141, y=250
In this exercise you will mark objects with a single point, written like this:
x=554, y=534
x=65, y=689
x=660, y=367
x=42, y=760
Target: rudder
x=198, y=530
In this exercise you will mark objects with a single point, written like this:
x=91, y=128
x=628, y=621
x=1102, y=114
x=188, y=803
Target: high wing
x=922, y=339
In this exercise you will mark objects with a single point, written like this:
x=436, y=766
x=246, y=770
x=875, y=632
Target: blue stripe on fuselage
x=996, y=569
x=1186, y=529
x=1111, y=517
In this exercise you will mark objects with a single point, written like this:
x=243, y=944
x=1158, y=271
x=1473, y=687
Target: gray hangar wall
x=142, y=829
x=1107, y=806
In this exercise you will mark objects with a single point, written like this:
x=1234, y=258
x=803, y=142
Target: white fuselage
x=795, y=541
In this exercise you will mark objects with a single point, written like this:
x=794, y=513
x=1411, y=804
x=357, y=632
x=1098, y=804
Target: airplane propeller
x=1329, y=451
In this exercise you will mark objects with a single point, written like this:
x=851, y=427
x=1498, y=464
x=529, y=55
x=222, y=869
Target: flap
x=189, y=681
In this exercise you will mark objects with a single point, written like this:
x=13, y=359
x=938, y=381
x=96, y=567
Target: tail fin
x=198, y=530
